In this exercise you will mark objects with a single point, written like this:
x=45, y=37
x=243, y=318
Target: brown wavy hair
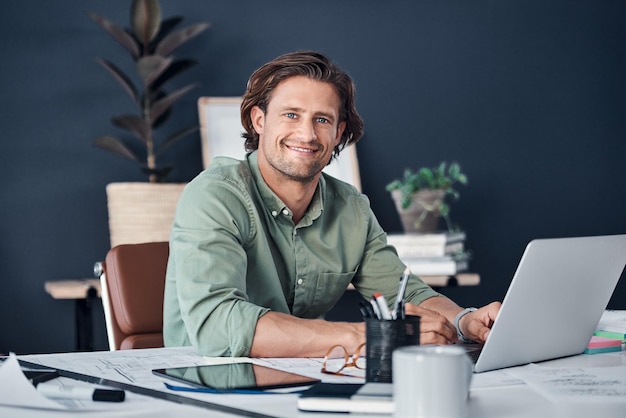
x=303, y=63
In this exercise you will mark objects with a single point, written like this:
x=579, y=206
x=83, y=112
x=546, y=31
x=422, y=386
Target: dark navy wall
x=529, y=96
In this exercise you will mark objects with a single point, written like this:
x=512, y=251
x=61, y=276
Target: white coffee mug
x=431, y=381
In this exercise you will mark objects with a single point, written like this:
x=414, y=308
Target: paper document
x=493, y=379
x=126, y=366
x=613, y=321
x=584, y=384
x=16, y=390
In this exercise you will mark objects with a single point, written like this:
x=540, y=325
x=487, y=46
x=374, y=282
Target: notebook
x=359, y=398
x=559, y=291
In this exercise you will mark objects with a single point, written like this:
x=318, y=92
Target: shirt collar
x=274, y=204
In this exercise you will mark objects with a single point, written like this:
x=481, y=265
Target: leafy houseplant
x=420, y=196
x=150, y=43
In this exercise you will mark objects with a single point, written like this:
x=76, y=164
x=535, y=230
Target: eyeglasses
x=337, y=359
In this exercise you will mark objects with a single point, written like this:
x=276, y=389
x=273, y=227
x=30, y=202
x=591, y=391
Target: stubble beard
x=296, y=171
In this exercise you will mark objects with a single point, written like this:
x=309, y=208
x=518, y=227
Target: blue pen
x=399, y=304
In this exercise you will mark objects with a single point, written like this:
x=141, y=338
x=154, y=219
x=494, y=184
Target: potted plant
x=150, y=42
x=420, y=197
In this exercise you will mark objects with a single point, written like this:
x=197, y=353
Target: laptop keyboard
x=473, y=352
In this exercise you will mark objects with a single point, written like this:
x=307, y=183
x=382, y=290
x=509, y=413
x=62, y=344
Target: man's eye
x=291, y=115
x=322, y=120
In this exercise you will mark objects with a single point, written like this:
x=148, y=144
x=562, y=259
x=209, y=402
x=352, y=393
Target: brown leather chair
x=133, y=281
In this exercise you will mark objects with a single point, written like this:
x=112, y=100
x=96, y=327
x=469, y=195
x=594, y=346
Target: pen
x=399, y=305
x=375, y=307
x=366, y=309
x=81, y=393
x=382, y=306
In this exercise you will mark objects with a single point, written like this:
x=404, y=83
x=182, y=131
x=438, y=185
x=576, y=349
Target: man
x=262, y=248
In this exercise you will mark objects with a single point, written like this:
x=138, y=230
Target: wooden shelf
x=461, y=279
x=72, y=289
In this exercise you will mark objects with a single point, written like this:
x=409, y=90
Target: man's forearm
x=281, y=335
x=443, y=305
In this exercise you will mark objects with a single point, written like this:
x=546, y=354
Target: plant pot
x=141, y=212
x=422, y=216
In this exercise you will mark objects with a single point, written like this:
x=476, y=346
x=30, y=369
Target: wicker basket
x=141, y=212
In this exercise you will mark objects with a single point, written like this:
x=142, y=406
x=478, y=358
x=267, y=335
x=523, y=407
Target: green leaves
x=454, y=172
x=441, y=177
x=430, y=178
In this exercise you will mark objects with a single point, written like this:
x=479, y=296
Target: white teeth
x=301, y=149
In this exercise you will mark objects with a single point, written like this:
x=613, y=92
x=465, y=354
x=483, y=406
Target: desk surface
x=486, y=400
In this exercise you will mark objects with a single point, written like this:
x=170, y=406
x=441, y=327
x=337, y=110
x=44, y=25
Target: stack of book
x=612, y=325
x=438, y=254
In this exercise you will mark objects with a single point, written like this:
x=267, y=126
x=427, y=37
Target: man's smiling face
x=299, y=130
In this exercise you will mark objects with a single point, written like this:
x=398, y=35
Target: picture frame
x=220, y=128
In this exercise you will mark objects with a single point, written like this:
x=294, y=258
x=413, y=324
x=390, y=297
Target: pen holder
x=384, y=336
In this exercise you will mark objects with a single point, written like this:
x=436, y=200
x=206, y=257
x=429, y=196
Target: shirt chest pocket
x=315, y=297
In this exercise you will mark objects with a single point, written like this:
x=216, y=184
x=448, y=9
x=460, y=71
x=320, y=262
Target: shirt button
x=285, y=212
x=274, y=213
x=300, y=281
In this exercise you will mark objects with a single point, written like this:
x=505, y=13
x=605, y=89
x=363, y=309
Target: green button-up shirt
x=235, y=254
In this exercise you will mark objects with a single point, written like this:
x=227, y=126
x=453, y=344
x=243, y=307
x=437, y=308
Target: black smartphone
x=234, y=376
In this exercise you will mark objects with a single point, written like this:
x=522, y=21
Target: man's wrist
x=457, y=321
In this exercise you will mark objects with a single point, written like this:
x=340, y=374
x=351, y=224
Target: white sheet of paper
x=16, y=389
x=613, y=321
x=575, y=384
x=493, y=379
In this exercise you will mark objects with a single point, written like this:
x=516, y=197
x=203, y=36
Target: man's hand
x=434, y=327
x=477, y=325
x=438, y=312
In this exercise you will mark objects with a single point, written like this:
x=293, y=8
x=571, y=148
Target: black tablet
x=234, y=376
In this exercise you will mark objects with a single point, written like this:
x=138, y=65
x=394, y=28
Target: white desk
x=133, y=367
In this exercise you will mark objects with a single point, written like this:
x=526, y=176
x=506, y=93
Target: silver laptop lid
x=555, y=300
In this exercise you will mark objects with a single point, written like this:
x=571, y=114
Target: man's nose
x=306, y=130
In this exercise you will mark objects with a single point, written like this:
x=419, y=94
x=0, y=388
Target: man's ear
x=257, y=116
x=340, y=128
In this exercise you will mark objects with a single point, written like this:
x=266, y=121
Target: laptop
x=559, y=291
